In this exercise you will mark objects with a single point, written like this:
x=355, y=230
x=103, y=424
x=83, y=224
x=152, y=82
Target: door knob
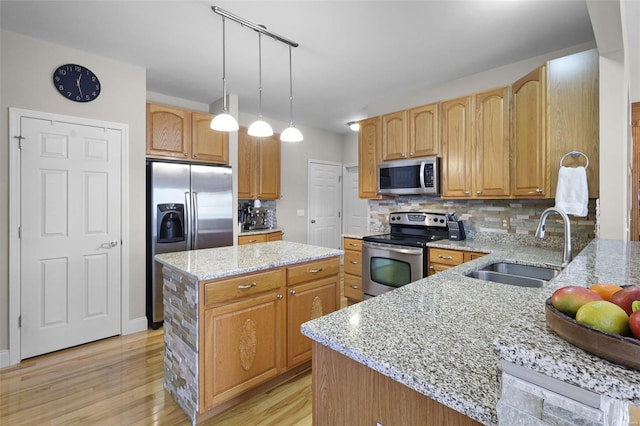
x=113, y=243
x=313, y=221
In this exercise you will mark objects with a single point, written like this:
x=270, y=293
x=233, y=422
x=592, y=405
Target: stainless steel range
x=392, y=260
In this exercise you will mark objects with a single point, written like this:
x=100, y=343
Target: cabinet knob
x=404, y=155
x=279, y=296
x=478, y=192
x=411, y=154
x=292, y=292
x=467, y=193
x=186, y=155
x=538, y=191
x=432, y=268
x=195, y=155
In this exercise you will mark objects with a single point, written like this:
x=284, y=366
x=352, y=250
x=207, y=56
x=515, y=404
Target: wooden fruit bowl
x=612, y=347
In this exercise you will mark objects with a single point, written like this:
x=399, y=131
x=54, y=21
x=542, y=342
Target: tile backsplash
x=508, y=219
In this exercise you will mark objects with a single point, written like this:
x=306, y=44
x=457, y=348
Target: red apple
x=570, y=298
x=625, y=297
x=634, y=319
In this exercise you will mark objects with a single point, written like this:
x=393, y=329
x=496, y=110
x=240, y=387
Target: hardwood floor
x=119, y=381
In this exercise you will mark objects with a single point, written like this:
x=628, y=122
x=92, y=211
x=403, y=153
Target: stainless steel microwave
x=406, y=177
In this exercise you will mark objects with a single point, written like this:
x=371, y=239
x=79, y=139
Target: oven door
x=386, y=267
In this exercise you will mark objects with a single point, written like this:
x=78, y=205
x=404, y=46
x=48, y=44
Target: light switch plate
x=300, y=212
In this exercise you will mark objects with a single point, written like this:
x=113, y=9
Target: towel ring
x=575, y=154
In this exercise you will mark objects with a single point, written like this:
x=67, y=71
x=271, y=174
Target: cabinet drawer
x=353, y=287
x=222, y=291
x=352, y=244
x=313, y=270
x=434, y=268
x=353, y=262
x=447, y=257
x=250, y=239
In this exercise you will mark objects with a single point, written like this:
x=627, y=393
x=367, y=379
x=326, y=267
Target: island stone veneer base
x=180, y=294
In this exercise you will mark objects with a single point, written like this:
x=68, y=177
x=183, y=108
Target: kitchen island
x=444, y=338
x=233, y=316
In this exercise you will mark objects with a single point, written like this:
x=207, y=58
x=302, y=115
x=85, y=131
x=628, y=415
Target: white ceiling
x=351, y=53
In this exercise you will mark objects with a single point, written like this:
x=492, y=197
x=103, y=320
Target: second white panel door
x=324, y=200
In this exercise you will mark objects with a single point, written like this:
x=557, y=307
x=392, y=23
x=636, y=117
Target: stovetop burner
x=414, y=229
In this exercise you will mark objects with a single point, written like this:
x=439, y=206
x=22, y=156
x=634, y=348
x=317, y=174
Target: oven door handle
x=394, y=249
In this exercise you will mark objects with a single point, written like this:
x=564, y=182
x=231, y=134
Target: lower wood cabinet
x=346, y=392
x=250, y=327
x=246, y=338
x=352, y=270
x=443, y=259
x=260, y=238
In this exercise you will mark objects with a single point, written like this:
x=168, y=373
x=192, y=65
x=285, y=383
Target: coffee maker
x=252, y=218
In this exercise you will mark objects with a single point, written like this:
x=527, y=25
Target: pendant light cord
x=224, y=75
x=260, y=75
x=290, y=87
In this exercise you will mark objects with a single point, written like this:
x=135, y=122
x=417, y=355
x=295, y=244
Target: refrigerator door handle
x=194, y=197
x=189, y=219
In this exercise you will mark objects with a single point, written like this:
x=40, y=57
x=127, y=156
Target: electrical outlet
x=505, y=222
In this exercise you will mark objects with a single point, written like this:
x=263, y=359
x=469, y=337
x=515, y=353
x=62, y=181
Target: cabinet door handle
x=445, y=257
x=354, y=262
x=292, y=292
x=244, y=287
x=315, y=271
x=251, y=241
x=354, y=286
x=353, y=245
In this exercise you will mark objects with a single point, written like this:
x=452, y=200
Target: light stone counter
x=260, y=231
x=443, y=336
x=359, y=235
x=209, y=264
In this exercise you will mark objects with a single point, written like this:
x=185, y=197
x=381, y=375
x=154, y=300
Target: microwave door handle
x=422, y=183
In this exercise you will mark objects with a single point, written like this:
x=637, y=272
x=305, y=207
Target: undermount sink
x=515, y=274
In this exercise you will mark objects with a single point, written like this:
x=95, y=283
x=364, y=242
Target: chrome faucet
x=566, y=255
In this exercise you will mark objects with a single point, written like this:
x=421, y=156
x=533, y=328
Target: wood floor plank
x=119, y=381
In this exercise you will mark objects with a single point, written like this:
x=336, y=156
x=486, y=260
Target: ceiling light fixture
x=291, y=133
x=260, y=128
x=354, y=125
x=224, y=122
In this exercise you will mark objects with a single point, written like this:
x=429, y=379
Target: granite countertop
x=443, y=336
x=259, y=231
x=359, y=235
x=209, y=264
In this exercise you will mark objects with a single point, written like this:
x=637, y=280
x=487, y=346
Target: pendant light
x=224, y=122
x=291, y=133
x=260, y=128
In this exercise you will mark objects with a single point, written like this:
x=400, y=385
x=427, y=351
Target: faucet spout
x=566, y=254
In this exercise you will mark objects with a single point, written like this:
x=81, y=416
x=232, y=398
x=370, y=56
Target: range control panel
x=418, y=218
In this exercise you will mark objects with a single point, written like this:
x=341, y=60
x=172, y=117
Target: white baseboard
x=4, y=358
x=135, y=325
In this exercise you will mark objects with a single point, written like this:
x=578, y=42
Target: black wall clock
x=76, y=83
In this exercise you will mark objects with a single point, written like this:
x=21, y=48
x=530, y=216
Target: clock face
x=76, y=83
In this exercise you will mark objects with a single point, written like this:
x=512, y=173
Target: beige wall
x=25, y=81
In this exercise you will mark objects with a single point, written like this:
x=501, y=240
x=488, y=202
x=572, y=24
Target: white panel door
x=355, y=210
x=70, y=234
x=324, y=228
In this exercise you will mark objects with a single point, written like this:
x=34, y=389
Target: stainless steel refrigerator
x=189, y=207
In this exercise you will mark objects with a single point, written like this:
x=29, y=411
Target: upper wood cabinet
x=369, y=139
x=455, y=142
x=529, y=163
x=490, y=147
x=394, y=136
x=410, y=134
x=258, y=166
x=181, y=134
x=424, y=130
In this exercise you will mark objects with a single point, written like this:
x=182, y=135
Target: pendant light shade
x=224, y=122
x=260, y=128
x=291, y=134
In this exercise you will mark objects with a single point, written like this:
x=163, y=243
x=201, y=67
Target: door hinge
x=19, y=232
x=339, y=214
x=20, y=321
x=19, y=141
x=339, y=178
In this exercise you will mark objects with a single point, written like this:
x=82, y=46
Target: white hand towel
x=572, y=193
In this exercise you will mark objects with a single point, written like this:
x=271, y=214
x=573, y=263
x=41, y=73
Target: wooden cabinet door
x=247, y=166
x=274, y=236
x=456, y=147
x=529, y=165
x=208, y=145
x=394, y=136
x=306, y=302
x=168, y=131
x=241, y=347
x=491, y=144
x=423, y=131
x=269, y=168
x=368, y=147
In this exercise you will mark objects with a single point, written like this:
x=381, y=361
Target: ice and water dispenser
x=170, y=222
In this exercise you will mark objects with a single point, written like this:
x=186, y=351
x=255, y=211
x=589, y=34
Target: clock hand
x=78, y=84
